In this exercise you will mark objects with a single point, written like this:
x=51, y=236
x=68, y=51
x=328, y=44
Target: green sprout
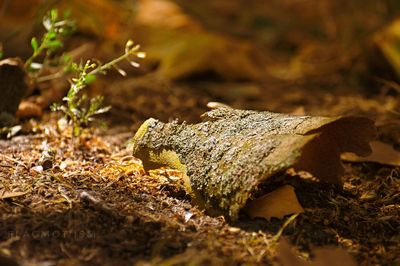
x=78, y=108
x=52, y=41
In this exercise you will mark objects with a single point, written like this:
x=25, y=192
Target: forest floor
x=92, y=203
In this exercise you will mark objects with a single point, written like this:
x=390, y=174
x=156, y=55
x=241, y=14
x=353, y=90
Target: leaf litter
x=155, y=221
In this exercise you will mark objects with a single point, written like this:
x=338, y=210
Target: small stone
x=234, y=229
x=37, y=168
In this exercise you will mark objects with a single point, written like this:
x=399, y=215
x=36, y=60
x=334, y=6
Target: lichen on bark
x=232, y=151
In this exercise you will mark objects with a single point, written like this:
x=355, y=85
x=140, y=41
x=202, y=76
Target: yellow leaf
x=278, y=203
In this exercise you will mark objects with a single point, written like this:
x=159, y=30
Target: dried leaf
x=104, y=19
x=228, y=155
x=16, y=26
x=182, y=54
x=182, y=48
x=381, y=153
x=315, y=59
x=165, y=14
x=28, y=109
x=323, y=257
x=278, y=203
x=11, y=194
x=387, y=42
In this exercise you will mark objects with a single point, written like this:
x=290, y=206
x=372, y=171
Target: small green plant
x=57, y=29
x=78, y=108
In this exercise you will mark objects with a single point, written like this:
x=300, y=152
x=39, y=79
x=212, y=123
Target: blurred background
x=328, y=57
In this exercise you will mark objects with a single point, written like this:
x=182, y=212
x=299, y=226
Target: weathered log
x=225, y=157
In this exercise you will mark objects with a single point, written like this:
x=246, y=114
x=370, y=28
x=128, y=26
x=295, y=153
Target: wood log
x=228, y=155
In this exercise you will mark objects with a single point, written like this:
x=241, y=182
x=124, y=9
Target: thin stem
x=111, y=63
x=34, y=55
x=56, y=75
x=278, y=235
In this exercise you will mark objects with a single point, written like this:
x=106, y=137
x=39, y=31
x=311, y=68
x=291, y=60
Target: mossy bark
x=225, y=157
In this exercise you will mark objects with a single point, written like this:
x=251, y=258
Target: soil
x=93, y=204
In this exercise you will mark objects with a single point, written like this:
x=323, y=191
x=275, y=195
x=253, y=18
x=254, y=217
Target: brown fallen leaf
x=278, y=203
x=165, y=14
x=314, y=59
x=11, y=194
x=387, y=43
x=16, y=27
x=381, y=153
x=28, y=109
x=181, y=54
x=323, y=257
x=228, y=155
x=182, y=48
x=103, y=19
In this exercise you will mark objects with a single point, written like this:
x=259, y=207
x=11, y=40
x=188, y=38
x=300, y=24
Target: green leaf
x=51, y=35
x=89, y=79
x=54, y=14
x=54, y=44
x=66, y=58
x=34, y=44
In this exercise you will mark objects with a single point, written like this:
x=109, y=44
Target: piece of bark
x=225, y=157
x=13, y=87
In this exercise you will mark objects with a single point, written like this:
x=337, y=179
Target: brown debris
x=51, y=225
